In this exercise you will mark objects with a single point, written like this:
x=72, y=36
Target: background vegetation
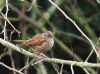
x=31, y=17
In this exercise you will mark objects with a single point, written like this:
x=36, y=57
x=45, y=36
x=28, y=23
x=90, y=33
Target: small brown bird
x=40, y=43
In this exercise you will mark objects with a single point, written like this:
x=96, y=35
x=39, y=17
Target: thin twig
x=27, y=65
x=74, y=23
x=4, y=54
x=89, y=55
x=61, y=70
x=54, y=66
x=86, y=71
x=12, y=60
x=10, y=54
x=72, y=67
x=10, y=68
x=9, y=22
x=4, y=30
x=92, y=51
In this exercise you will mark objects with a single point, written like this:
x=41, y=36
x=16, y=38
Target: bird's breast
x=50, y=43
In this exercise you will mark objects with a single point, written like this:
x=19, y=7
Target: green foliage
x=2, y=4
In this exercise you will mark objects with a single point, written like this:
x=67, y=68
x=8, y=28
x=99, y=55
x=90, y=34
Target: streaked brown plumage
x=40, y=43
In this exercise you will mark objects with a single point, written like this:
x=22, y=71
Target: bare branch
x=47, y=59
x=74, y=23
x=10, y=68
x=98, y=1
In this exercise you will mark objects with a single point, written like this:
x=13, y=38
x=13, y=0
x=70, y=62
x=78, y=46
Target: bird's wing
x=42, y=48
x=36, y=41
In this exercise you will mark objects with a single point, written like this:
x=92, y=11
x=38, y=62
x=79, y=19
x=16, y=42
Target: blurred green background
x=31, y=17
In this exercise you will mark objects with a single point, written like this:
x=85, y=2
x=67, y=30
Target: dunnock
x=40, y=43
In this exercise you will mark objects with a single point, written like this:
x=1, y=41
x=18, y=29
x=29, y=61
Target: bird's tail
x=23, y=41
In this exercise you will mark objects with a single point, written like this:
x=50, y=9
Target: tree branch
x=55, y=60
x=10, y=68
